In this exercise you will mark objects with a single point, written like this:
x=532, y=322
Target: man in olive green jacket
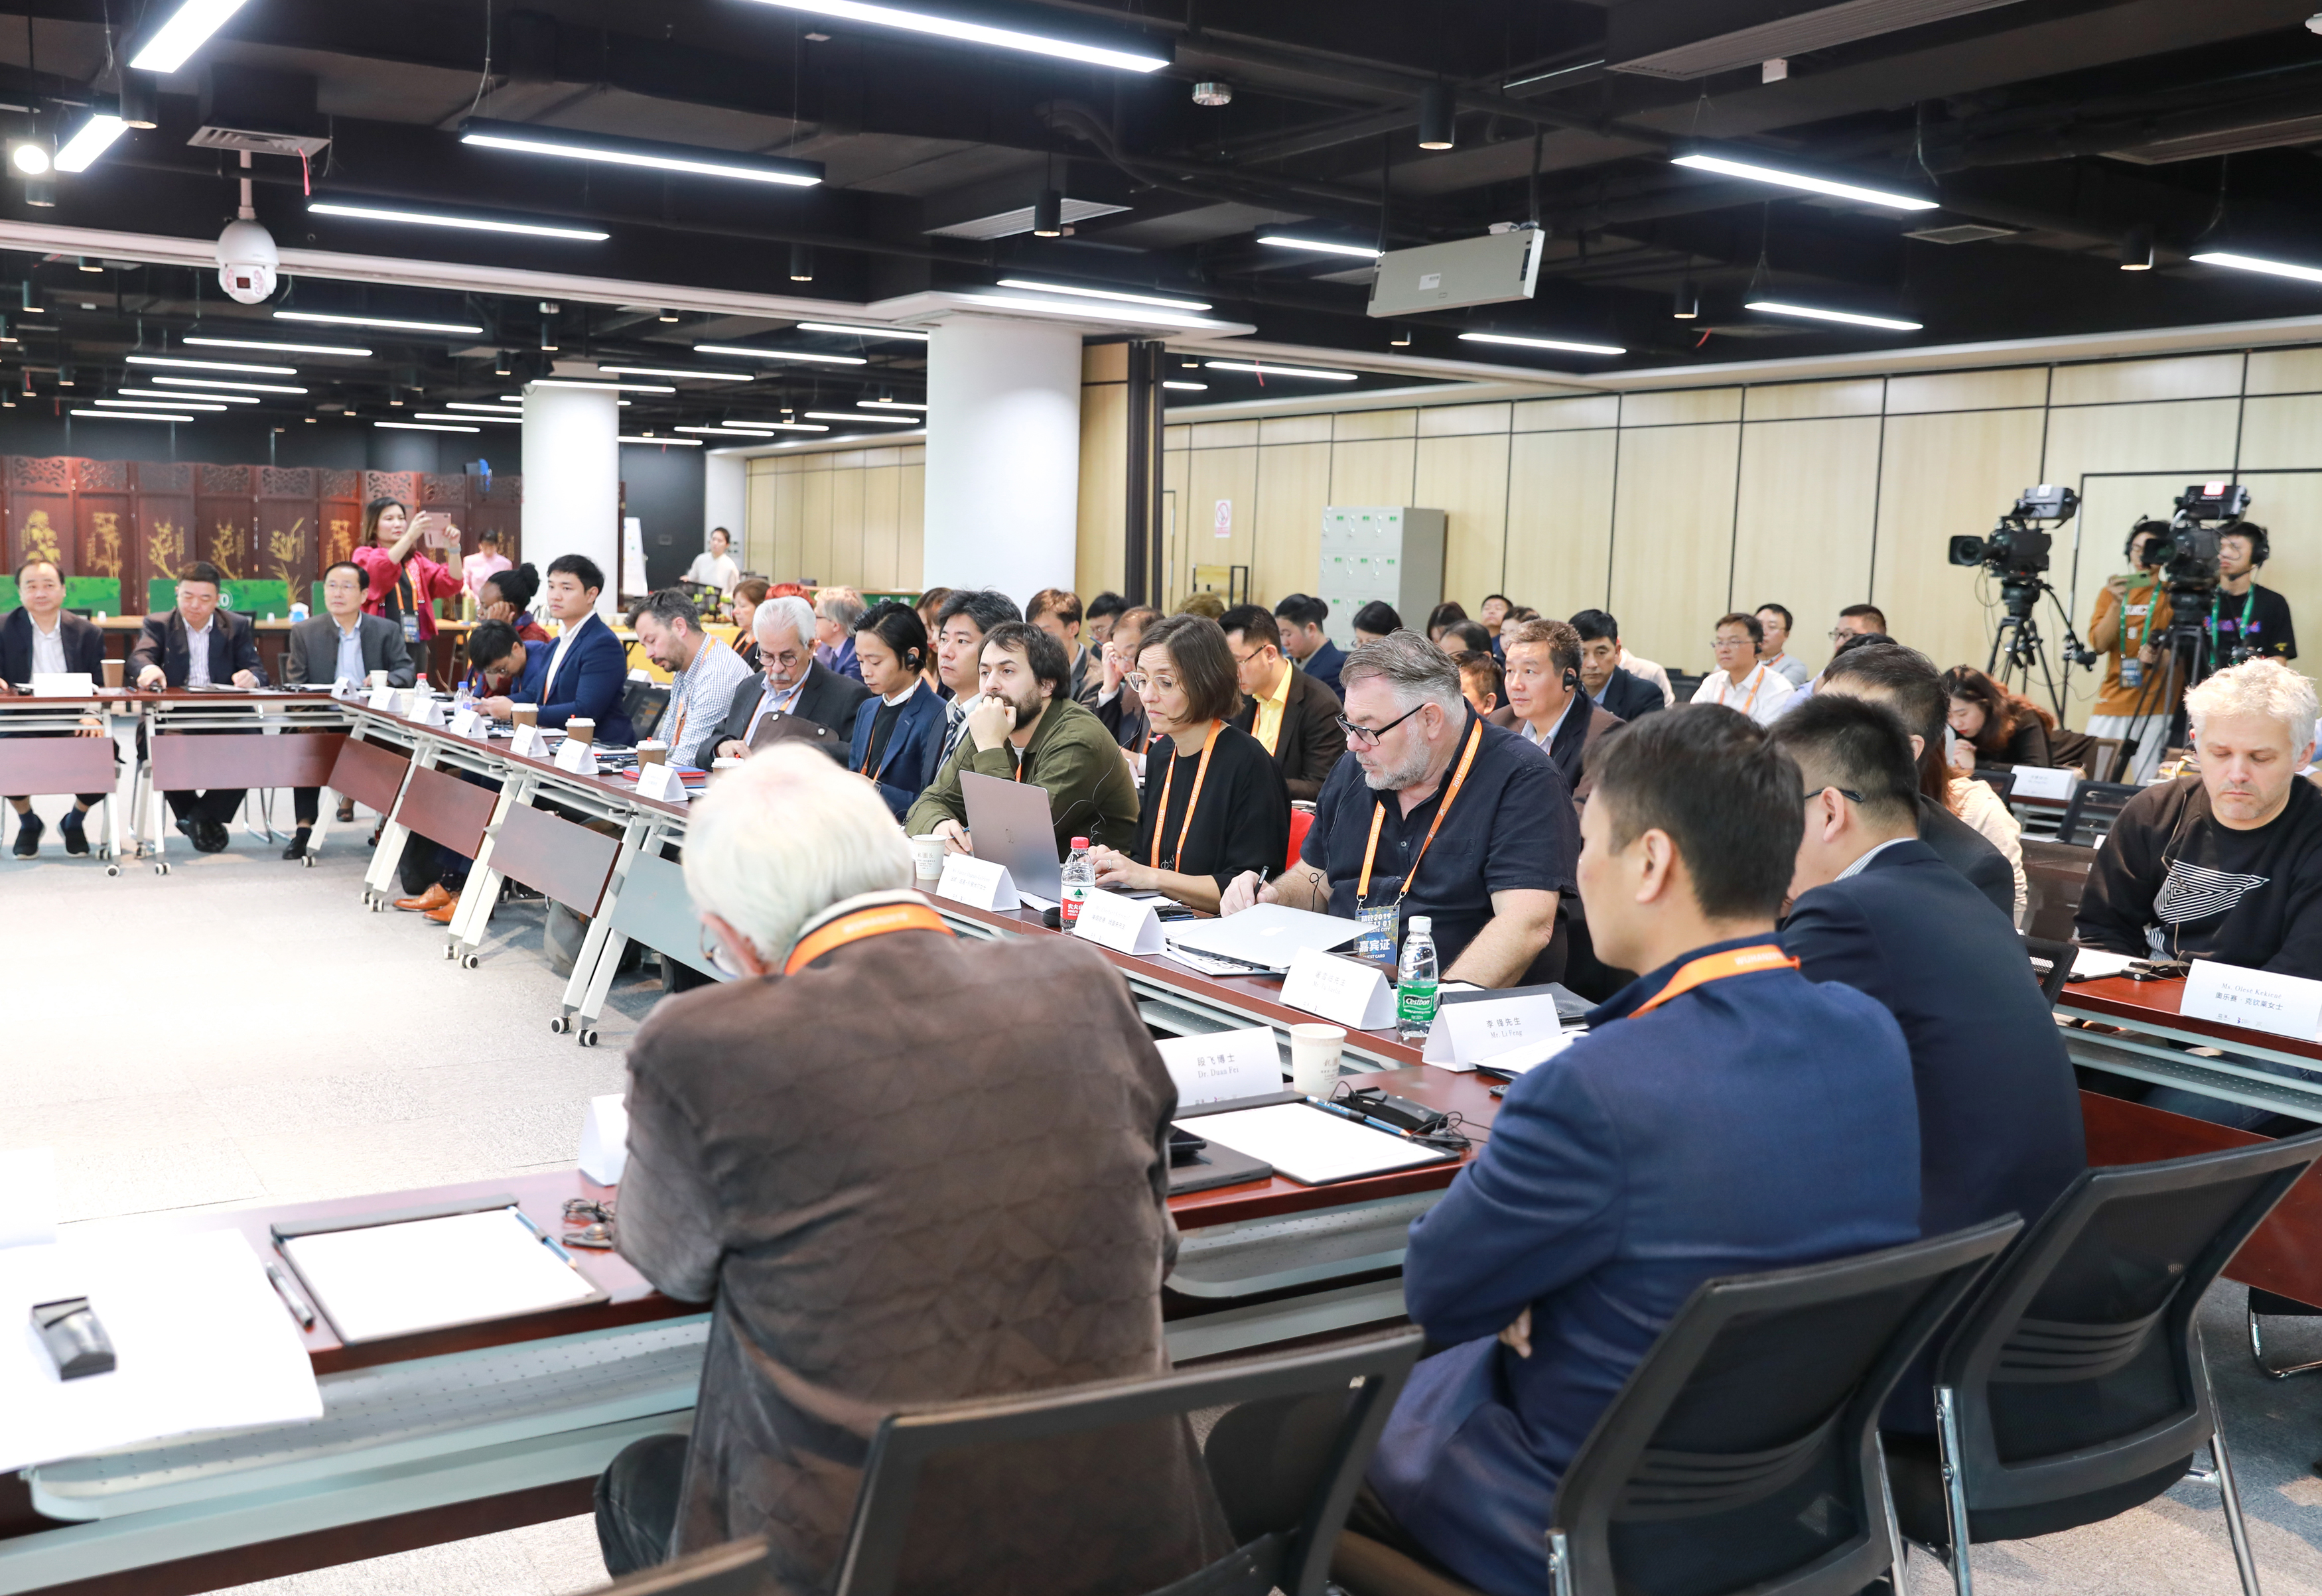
x=1027, y=727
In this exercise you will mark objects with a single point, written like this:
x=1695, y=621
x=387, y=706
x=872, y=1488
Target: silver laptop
x=1268, y=934
x=1010, y=823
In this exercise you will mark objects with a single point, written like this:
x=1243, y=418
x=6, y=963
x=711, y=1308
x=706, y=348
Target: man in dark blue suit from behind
x=1876, y=909
x=1723, y=1116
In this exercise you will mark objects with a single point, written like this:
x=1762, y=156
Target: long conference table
x=458, y=1433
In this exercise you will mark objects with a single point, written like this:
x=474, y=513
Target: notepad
x=430, y=1275
x=2094, y=963
x=1311, y=1146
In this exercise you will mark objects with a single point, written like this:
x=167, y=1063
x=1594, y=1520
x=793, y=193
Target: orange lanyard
x=1757, y=680
x=1378, y=816
x=869, y=752
x=875, y=921
x=1169, y=774
x=1711, y=967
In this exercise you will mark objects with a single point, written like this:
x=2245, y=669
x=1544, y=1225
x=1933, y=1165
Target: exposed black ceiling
x=2056, y=130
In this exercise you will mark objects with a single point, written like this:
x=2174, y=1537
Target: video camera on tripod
x=2183, y=554
x=2016, y=550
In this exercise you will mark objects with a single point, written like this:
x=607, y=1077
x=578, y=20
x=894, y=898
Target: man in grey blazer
x=341, y=644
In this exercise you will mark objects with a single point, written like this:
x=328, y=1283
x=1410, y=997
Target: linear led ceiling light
x=1732, y=164
x=1191, y=387
x=725, y=432
x=1122, y=295
x=183, y=33
x=131, y=415
x=2308, y=274
x=393, y=326
x=279, y=349
x=1049, y=308
x=1255, y=370
x=889, y=405
x=672, y=371
x=1565, y=344
x=247, y=387
x=212, y=365
x=611, y=149
x=967, y=33
x=94, y=139
x=165, y=397
x=425, y=427
x=861, y=331
x=453, y=415
x=162, y=404
x=335, y=207
x=1815, y=312
x=1322, y=246
x=501, y=409
x=858, y=416
x=778, y=354
x=679, y=443
x=779, y=426
x=610, y=388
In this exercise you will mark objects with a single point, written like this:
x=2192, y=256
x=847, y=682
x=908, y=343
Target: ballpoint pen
x=1345, y=1113
x=292, y=1296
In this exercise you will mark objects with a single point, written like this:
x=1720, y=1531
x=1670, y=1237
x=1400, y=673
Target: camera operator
x=2139, y=695
x=2247, y=621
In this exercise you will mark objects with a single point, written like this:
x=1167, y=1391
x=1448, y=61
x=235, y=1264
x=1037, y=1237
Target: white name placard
x=2042, y=782
x=1467, y=1031
x=604, y=1139
x=529, y=743
x=63, y=684
x=382, y=698
x=1121, y=924
x=2261, y=999
x=578, y=758
x=1339, y=991
x=469, y=722
x=663, y=782
x=1222, y=1066
x=432, y=712
x=1529, y=1055
x=978, y=883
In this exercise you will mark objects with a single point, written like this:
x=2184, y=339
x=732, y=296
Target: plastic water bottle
x=298, y=614
x=1415, y=981
x=1080, y=880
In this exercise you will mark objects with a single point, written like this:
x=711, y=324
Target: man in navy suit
x=1300, y=619
x=588, y=668
x=197, y=644
x=1620, y=692
x=1877, y=909
x=1723, y=1114
x=39, y=637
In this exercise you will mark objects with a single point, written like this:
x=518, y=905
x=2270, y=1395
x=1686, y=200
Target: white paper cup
x=581, y=729
x=927, y=856
x=378, y=679
x=1315, y=1052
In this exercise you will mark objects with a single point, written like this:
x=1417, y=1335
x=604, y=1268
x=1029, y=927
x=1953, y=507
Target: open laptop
x=1010, y=823
x=1266, y=935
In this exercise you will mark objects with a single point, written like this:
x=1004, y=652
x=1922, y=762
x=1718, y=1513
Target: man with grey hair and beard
x=1433, y=811
x=835, y=1190
x=793, y=682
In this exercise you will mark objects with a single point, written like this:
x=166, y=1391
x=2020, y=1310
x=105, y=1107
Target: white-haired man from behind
x=832, y=1189
x=791, y=681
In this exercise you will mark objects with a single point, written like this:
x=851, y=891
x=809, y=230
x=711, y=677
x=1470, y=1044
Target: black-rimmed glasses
x=1847, y=793
x=1368, y=736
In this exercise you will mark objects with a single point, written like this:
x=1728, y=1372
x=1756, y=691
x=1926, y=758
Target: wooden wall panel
x=225, y=499
x=2284, y=372
x=1561, y=416
x=910, y=527
x=2188, y=435
x=813, y=556
x=163, y=504
x=881, y=519
x=1468, y=479
x=2119, y=382
x=1099, y=543
x=846, y=492
x=1560, y=520
x=1680, y=407
x=1456, y=420
x=1294, y=429
x=1214, y=474
x=1795, y=401
x=1176, y=478
x=2281, y=431
x=1673, y=539
x=1354, y=426
x=1943, y=474
x=1376, y=472
x=39, y=511
x=340, y=511
x=2010, y=387
x=1293, y=486
x=1805, y=518
x=101, y=521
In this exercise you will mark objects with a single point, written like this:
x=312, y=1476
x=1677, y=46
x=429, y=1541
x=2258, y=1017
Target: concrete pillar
x=1003, y=455
x=572, y=480
x=725, y=502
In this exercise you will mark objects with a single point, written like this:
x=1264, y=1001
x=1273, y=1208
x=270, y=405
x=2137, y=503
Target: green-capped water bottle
x=1415, y=981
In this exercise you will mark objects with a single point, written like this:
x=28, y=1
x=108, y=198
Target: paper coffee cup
x=581, y=729
x=113, y=669
x=1315, y=1052
x=378, y=680
x=927, y=856
x=651, y=752
x=718, y=767
x=525, y=715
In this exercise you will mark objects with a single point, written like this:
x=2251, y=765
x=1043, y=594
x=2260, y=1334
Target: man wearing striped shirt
x=703, y=671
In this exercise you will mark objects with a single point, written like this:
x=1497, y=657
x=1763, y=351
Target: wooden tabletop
x=2161, y=1003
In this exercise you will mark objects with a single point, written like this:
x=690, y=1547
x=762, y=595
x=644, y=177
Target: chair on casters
x=1742, y=1454
x=2269, y=1304
x=2073, y=1387
x=736, y=1569
x=1287, y=1458
x=2089, y=817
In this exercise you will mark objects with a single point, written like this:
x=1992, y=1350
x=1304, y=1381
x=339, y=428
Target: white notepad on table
x=428, y=1274
x=1309, y=1145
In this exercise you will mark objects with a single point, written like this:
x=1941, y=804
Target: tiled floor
x=265, y=1040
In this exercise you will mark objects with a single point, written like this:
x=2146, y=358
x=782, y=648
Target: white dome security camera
x=248, y=262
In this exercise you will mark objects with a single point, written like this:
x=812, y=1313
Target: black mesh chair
x=2055, y=875
x=2000, y=779
x=2073, y=1387
x=2059, y=955
x=944, y=1502
x=2089, y=816
x=2269, y=1305
x=642, y=704
x=737, y=1569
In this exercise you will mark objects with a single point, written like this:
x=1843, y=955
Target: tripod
x=2017, y=650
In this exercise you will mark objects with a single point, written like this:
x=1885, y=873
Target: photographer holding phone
x=404, y=580
x=2137, y=699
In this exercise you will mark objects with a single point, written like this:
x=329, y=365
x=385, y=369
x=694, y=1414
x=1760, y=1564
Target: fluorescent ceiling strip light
x=1577, y=349
x=425, y=427
x=131, y=415
x=606, y=388
x=639, y=152
x=725, y=432
x=1191, y=387
x=212, y=365
x=2305, y=274
x=94, y=139
x=861, y=331
x=858, y=416
x=453, y=415
x=183, y=33
x=672, y=371
x=1815, y=312
x=966, y=32
x=331, y=207
x=1254, y=369
x=165, y=397
x=501, y=409
x=248, y=388
x=1122, y=295
x=778, y=354
x=1728, y=166
x=679, y=443
x=279, y=349
x=161, y=403
x=1282, y=241
x=780, y=427
x=1049, y=308
x=889, y=405
x=328, y=319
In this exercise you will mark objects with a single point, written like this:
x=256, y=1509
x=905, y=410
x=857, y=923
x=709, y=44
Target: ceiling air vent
x=2263, y=135
x=1966, y=232
x=1010, y=223
x=1786, y=37
x=258, y=144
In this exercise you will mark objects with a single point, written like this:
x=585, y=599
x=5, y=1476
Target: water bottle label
x=1070, y=908
x=1414, y=1005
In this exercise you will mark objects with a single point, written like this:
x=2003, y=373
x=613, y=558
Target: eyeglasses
x=1246, y=658
x=1144, y=684
x=1368, y=736
x=1847, y=793
x=1841, y=634
x=1742, y=642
